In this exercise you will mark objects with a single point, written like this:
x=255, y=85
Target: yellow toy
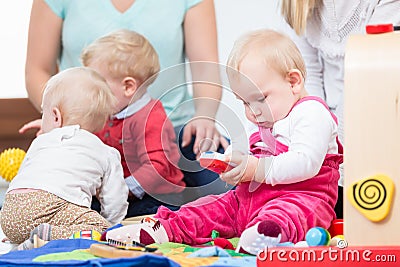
x=86, y=234
x=372, y=196
x=10, y=161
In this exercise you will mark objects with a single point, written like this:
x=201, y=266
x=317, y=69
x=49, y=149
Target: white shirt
x=310, y=133
x=74, y=165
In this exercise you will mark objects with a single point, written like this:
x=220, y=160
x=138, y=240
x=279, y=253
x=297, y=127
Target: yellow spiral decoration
x=372, y=196
x=10, y=161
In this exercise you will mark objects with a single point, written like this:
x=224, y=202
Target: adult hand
x=35, y=124
x=207, y=137
x=248, y=168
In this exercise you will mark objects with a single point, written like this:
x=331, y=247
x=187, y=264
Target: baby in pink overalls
x=288, y=183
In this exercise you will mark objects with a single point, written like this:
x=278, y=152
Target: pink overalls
x=295, y=207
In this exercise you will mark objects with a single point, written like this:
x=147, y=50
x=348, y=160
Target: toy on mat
x=10, y=161
x=215, y=162
x=123, y=237
x=336, y=227
x=318, y=236
x=338, y=241
x=37, y=242
x=221, y=242
x=86, y=234
x=372, y=196
x=106, y=251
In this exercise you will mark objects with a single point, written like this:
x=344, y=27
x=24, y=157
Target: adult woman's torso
x=160, y=21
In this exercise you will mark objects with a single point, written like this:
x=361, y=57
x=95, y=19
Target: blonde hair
x=125, y=54
x=277, y=51
x=82, y=96
x=296, y=12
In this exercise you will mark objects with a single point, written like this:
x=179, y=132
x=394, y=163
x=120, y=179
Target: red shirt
x=146, y=142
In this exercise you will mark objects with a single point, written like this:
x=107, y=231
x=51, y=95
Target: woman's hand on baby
x=248, y=168
x=207, y=136
x=35, y=124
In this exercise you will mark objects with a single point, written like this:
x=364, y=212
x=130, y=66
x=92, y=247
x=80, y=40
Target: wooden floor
x=15, y=112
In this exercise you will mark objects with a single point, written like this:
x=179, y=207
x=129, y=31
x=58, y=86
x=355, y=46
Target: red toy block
x=215, y=162
x=336, y=228
x=381, y=28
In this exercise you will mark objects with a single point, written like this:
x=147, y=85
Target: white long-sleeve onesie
x=75, y=165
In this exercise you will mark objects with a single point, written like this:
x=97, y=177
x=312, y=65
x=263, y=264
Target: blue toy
x=318, y=236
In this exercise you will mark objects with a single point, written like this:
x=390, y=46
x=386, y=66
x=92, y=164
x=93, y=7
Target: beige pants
x=22, y=212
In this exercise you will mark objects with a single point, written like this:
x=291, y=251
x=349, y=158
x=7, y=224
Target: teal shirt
x=160, y=21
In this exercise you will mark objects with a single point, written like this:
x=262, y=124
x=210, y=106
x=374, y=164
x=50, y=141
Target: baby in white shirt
x=66, y=165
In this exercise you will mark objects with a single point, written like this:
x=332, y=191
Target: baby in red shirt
x=140, y=130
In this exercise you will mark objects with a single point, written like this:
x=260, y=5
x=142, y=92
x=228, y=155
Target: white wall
x=14, y=19
x=234, y=18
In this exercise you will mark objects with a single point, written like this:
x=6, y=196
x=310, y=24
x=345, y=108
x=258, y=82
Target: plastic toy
x=215, y=162
x=223, y=243
x=123, y=237
x=106, y=251
x=318, y=236
x=381, y=28
x=372, y=196
x=338, y=241
x=87, y=234
x=10, y=161
x=37, y=242
x=336, y=227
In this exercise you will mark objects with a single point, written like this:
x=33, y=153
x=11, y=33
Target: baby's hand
x=249, y=168
x=35, y=124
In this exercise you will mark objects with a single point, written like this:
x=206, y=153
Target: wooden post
x=372, y=130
